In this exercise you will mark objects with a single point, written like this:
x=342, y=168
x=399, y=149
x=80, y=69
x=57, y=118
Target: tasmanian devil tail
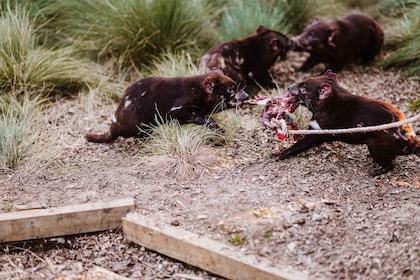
x=100, y=138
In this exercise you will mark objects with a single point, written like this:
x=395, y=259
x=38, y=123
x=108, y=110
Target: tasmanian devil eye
x=303, y=90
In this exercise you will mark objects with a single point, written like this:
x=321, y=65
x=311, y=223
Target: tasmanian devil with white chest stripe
x=248, y=60
x=186, y=99
x=333, y=107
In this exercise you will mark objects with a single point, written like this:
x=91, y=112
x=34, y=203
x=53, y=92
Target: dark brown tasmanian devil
x=187, y=99
x=334, y=107
x=350, y=39
x=248, y=60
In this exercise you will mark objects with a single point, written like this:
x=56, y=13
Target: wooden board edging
x=64, y=220
x=207, y=254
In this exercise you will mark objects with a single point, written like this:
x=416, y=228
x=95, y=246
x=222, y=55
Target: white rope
x=356, y=129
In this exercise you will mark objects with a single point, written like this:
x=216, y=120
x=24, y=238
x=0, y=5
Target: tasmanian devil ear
x=313, y=21
x=274, y=44
x=330, y=74
x=217, y=70
x=208, y=84
x=325, y=91
x=333, y=32
x=261, y=29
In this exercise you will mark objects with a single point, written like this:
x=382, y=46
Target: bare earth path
x=319, y=212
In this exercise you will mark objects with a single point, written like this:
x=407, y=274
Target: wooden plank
x=216, y=257
x=65, y=220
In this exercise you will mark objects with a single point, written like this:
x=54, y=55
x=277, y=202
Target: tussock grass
x=415, y=105
x=405, y=38
x=242, y=18
x=174, y=65
x=235, y=123
x=27, y=67
x=398, y=19
x=298, y=13
x=23, y=141
x=135, y=32
x=183, y=151
x=360, y=4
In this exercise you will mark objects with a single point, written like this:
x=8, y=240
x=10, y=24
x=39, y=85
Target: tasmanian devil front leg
x=302, y=145
x=193, y=114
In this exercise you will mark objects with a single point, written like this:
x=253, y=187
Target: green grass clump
x=237, y=240
x=298, y=13
x=242, y=18
x=18, y=137
x=174, y=65
x=415, y=105
x=186, y=150
x=27, y=67
x=173, y=138
x=25, y=141
x=134, y=32
x=407, y=55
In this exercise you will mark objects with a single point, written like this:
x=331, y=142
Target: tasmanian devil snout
x=187, y=99
x=293, y=89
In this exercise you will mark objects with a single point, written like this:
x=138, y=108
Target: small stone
x=175, y=223
x=316, y=217
x=291, y=247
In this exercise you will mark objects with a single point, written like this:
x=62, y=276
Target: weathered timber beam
x=207, y=254
x=64, y=220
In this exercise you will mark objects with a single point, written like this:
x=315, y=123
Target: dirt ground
x=319, y=212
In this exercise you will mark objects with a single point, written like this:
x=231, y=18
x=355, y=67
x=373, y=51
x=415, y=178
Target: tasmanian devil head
x=314, y=92
x=222, y=90
x=317, y=35
x=279, y=43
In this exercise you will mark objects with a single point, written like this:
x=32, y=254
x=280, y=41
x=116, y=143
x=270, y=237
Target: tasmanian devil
x=333, y=107
x=350, y=39
x=187, y=99
x=248, y=60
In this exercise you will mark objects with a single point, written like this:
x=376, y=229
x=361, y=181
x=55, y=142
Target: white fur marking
x=314, y=124
x=114, y=119
x=203, y=62
x=239, y=60
x=175, y=108
x=222, y=62
x=127, y=103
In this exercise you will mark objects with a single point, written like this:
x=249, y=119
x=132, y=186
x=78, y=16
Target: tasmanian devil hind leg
x=383, y=157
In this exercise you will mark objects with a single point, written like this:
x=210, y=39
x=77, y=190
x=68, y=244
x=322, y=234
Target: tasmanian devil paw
x=380, y=171
x=213, y=126
x=279, y=156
